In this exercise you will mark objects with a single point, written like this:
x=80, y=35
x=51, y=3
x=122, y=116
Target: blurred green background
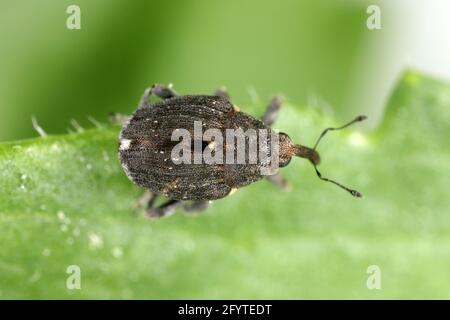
x=306, y=50
x=65, y=200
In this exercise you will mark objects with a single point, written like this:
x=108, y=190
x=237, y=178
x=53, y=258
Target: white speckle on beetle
x=64, y=228
x=125, y=144
x=162, y=152
x=46, y=252
x=127, y=171
x=156, y=121
x=89, y=167
x=232, y=191
x=23, y=176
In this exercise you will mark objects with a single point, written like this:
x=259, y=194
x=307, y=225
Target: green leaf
x=65, y=201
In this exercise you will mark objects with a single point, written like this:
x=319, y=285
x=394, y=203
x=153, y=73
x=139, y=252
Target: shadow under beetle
x=145, y=147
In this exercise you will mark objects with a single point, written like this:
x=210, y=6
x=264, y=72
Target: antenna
x=324, y=132
x=352, y=192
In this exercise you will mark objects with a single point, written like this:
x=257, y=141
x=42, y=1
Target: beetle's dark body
x=147, y=150
x=146, y=145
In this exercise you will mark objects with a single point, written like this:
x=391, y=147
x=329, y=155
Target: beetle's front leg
x=272, y=111
x=222, y=92
x=157, y=90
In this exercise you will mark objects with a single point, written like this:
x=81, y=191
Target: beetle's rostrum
x=161, y=149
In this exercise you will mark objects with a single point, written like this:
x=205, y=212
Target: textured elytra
x=145, y=148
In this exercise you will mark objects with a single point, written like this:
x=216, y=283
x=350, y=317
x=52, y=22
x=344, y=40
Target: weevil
x=146, y=149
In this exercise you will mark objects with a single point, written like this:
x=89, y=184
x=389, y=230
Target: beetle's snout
x=307, y=153
x=315, y=157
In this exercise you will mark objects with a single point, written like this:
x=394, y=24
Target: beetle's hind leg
x=166, y=209
x=196, y=206
x=157, y=90
x=272, y=111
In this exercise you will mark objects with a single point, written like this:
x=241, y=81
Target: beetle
x=146, y=148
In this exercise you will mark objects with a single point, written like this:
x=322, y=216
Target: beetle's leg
x=222, y=92
x=279, y=181
x=272, y=111
x=166, y=209
x=196, y=206
x=144, y=199
x=158, y=91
